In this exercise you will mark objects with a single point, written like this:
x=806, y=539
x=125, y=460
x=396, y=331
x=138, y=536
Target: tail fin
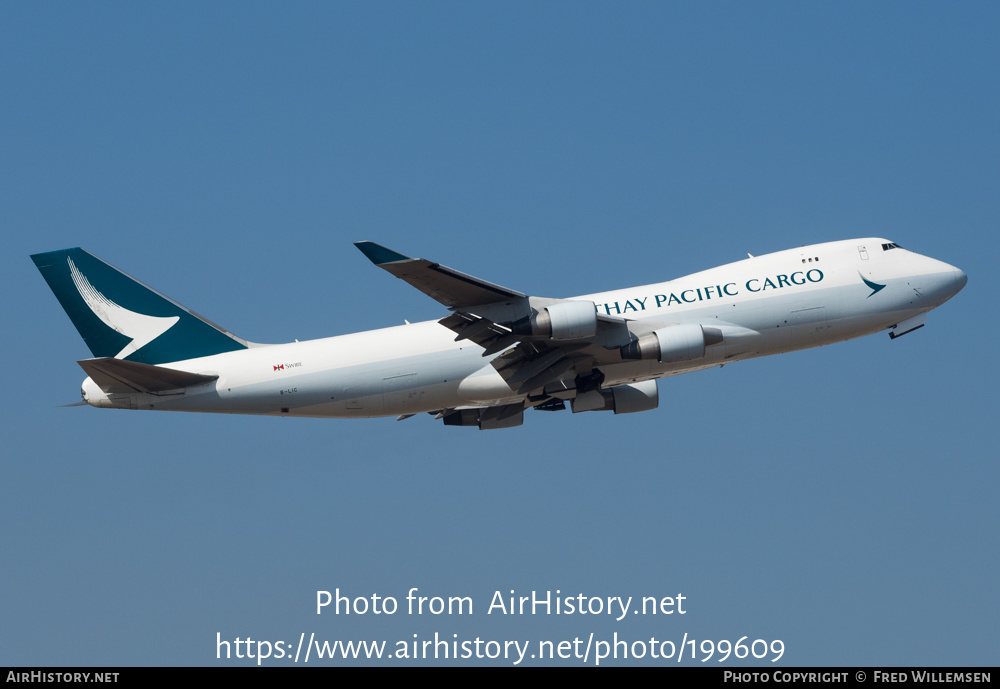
x=120, y=317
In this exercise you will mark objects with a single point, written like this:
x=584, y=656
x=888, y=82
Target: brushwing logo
x=141, y=328
x=875, y=287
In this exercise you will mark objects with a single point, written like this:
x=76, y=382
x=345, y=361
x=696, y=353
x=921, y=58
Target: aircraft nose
x=941, y=281
x=960, y=279
x=954, y=280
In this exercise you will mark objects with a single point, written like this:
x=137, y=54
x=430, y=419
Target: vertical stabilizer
x=120, y=317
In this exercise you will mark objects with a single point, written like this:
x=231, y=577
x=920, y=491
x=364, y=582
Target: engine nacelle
x=683, y=342
x=621, y=399
x=565, y=320
x=489, y=418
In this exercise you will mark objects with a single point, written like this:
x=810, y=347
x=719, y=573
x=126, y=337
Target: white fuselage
x=785, y=301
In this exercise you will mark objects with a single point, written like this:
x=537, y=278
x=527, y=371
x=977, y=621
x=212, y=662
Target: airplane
x=499, y=351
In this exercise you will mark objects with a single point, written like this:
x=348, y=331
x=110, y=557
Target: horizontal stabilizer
x=120, y=376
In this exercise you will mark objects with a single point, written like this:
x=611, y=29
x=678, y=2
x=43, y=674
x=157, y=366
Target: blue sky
x=842, y=499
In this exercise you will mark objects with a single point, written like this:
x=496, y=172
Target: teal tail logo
x=120, y=317
x=875, y=287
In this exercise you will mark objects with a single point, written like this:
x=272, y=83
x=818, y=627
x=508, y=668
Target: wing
x=545, y=346
x=447, y=286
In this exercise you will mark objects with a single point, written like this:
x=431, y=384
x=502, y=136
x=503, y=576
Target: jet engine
x=565, y=320
x=674, y=343
x=488, y=418
x=621, y=399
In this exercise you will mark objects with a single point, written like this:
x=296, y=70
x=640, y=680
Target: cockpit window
x=886, y=247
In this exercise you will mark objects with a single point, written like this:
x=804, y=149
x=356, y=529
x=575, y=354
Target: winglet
x=378, y=254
